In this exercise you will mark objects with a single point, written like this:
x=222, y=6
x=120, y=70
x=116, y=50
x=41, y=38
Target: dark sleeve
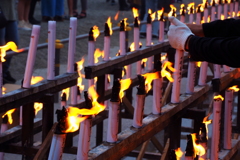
x=216, y=50
x=222, y=28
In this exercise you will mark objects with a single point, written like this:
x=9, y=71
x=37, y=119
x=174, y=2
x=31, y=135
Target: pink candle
x=236, y=6
x=31, y=56
x=51, y=50
x=149, y=40
x=136, y=42
x=231, y=9
x=4, y=127
x=228, y=119
x=157, y=96
x=217, y=104
x=138, y=111
x=122, y=38
x=72, y=44
x=219, y=11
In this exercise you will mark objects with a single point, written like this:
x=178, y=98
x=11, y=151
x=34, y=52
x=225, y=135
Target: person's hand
x=178, y=33
x=196, y=29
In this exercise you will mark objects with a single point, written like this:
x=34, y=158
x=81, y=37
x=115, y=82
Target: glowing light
x=178, y=153
x=36, y=79
x=149, y=78
x=198, y=148
x=222, y=17
x=9, y=46
x=206, y=122
x=173, y=11
x=116, y=16
x=96, y=32
x=9, y=114
x=3, y=90
x=160, y=14
x=218, y=97
x=132, y=47
x=163, y=57
x=37, y=107
x=165, y=73
x=98, y=53
x=198, y=63
x=135, y=12
x=125, y=84
x=66, y=91
x=191, y=8
x=234, y=88
x=109, y=23
x=81, y=76
x=182, y=9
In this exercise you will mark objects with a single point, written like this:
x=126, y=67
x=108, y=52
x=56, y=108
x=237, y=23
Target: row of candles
x=114, y=105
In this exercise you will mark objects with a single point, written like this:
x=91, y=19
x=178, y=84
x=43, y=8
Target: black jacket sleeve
x=217, y=50
x=222, y=28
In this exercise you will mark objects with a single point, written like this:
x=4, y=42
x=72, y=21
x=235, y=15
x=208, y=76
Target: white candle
x=84, y=139
x=57, y=145
x=31, y=56
x=51, y=50
x=228, y=119
x=72, y=44
x=138, y=111
x=4, y=127
x=157, y=95
x=217, y=104
x=177, y=77
x=113, y=115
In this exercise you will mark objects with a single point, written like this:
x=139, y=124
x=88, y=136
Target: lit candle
x=72, y=44
x=139, y=103
x=31, y=56
x=219, y=11
x=231, y=8
x=217, y=104
x=51, y=50
x=136, y=42
x=149, y=39
x=122, y=37
x=161, y=25
x=236, y=6
x=227, y=139
x=73, y=89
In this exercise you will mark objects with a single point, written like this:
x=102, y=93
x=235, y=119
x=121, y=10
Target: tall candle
x=236, y=6
x=31, y=56
x=149, y=40
x=228, y=119
x=231, y=9
x=219, y=10
x=4, y=127
x=136, y=42
x=215, y=129
x=72, y=44
x=51, y=50
x=157, y=89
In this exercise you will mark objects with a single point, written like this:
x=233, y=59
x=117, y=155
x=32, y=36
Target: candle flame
x=182, y=9
x=109, y=23
x=116, y=16
x=9, y=46
x=149, y=78
x=96, y=32
x=198, y=148
x=238, y=14
x=206, y=122
x=198, y=64
x=132, y=47
x=37, y=107
x=153, y=15
x=218, y=97
x=205, y=3
x=234, y=88
x=98, y=53
x=3, y=90
x=66, y=91
x=173, y=11
x=178, y=153
x=36, y=79
x=81, y=76
x=135, y=12
x=191, y=8
x=222, y=17
x=163, y=57
x=165, y=73
x=233, y=14
x=125, y=84
x=9, y=114
x=143, y=62
x=199, y=8
x=160, y=14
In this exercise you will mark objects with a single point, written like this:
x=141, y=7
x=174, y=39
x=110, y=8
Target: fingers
x=175, y=21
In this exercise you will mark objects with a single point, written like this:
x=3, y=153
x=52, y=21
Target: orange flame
x=178, y=153
x=116, y=16
x=144, y=60
x=163, y=57
x=222, y=17
x=125, y=84
x=132, y=47
x=182, y=9
x=3, y=90
x=37, y=107
x=73, y=120
x=205, y=2
x=108, y=78
x=9, y=46
x=149, y=78
x=160, y=13
x=190, y=8
x=109, y=23
x=36, y=79
x=238, y=14
x=198, y=63
x=9, y=114
x=198, y=148
x=218, y=97
x=98, y=53
x=135, y=12
x=96, y=32
x=233, y=14
x=153, y=15
x=66, y=91
x=209, y=19
x=165, y=73
x=206, y=122
x=234, y=88
x=173, y=11
x=81, y=76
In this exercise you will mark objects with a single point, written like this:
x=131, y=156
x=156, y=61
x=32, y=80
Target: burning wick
x=8, y=114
